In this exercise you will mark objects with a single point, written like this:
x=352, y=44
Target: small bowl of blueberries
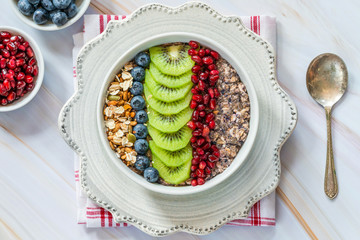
x=50, y=15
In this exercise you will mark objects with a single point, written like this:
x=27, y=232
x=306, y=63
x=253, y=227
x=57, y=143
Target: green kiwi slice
x=172, y=175
x=172, y=59
x=169, y=80
x=164, y=93
x=169, y=122
x=171, y=141
x=166, y=107
x=171, y=158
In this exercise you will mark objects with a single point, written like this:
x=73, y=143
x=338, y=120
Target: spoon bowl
x=326, y=81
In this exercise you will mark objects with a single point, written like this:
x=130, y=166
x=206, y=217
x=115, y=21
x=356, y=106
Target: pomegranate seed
x=211, y=67
x=207, y=170
x=3, y=63
x=201, y=53
x=201, y=85
x=217, y=93
x=5, y=35
x=36, y=71
x=193, y=168
x=197, y=98
x=196, y=133
x=194, y=182
x=211, y=164
x=212, y=83
x=29, y=79
x=14, y=38
x=19, y=92
x=196, y=59
x=214, y=54
x=213, y=158
x=191, y=125
x=211, y=92
x=202, y=114
x=194, y=91
x=6, y=41
x=29, y=52
x=208, y=60
x=206, y=98
x=214, y=72
x=200, y=172
x=20, y=55
x=192, y=52
x=29, y=87
x=29, y=70
x=193, y=44
x=12, y=83
x=22, y=48
x=203, y=76
x=2, y=89
x=4, y=102
x=11, y=46
x=32, y=61
x=212, y=104
x=5, y=53
x=202, y=165
x=207, y=51
x=7, y=85
x=195, y=115
x=206, y=147
x=196, y=69
x=200, y=141
x=20, y=76
x=1, y=46
x=20, y=84
x=11, y=97
x=205, y=131
x=193, y=175
x=26, y=44
x=214, y=148
x=214, y=78
x=200, y=151
x=20, y=62
x=11, y=64
x=193, y=104
x=201, y=107
x=200, y=181
x=17, y=70
x=209, y=117
x=199, y=125
x=193, y=139
x=194, y=79
x=217, y=153
x=13, y=53
x=212, y=124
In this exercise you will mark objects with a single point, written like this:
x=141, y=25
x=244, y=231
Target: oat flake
x=110, y=123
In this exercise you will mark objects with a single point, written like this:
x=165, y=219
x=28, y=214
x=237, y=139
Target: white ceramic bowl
x=254, y=112
x=49, y=26
x=38, y=80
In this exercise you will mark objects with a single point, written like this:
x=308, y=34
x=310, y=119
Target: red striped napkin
x=262, y=213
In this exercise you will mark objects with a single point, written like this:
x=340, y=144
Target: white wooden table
x=37, y=190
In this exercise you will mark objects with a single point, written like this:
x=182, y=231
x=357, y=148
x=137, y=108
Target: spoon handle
x=330, y=184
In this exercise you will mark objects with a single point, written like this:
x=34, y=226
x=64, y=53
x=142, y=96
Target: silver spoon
x=326, y=81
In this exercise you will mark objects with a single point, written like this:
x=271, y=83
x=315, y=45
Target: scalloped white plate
x=201, y=212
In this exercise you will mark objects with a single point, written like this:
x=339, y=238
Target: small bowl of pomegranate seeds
x=21, y=69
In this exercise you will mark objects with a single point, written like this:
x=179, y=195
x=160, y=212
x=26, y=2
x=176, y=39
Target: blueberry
x=138, y=73
x=48, y=5
x=151, y=174
x=142, y=59
x=40, y=16
x=137, y=88
x=34, y=2
x=52, y=13
x=71, y=11
x=25, y=7
x=137, y=103
x=141, y=116
x=142, y=162
x=59, y=18
x=140, y=131
x=141, y=146
x=61, y=4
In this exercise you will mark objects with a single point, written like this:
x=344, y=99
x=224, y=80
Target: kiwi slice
x=169, y=80
x=164, y=93
x=172, y=59
x=171, y=141
x=171, y=158
x=166, y=107
x=169, y=122
x=172, y=175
